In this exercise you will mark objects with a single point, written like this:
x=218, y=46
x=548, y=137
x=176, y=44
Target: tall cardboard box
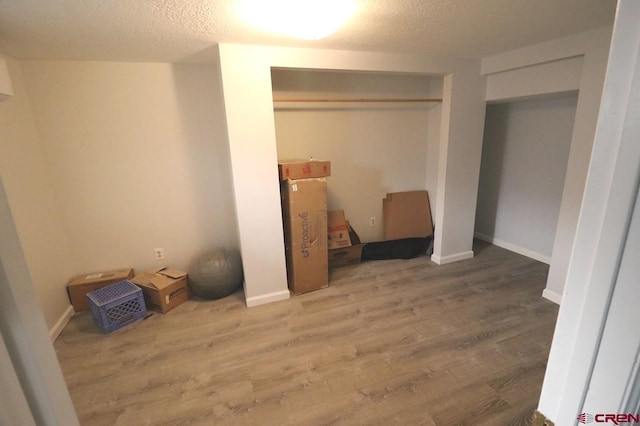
x=304, y=208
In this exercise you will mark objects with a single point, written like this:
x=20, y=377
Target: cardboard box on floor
x=303, y=169
x=304, y=208
x=407, y=215
x=79, y=286
x=346, y=256
x=163, y=288
x=338, y=231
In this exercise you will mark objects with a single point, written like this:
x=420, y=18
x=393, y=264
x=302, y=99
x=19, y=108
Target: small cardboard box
x=407, y=215
x=164, y=288
x=303, y=169
x=338, y=231
x=346, y=256
x=304, y=207
x=79, y=286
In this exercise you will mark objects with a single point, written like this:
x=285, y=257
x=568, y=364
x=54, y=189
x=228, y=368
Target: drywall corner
x=34, y=205
x=6, y=88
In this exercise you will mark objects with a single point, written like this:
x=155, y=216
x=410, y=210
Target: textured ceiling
x=183, y=30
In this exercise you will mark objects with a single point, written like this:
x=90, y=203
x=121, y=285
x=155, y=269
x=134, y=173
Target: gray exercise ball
x=215, y=273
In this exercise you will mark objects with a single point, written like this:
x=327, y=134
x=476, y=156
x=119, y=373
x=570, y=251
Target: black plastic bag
x=406, y=248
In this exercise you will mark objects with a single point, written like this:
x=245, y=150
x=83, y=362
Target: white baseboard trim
x=514, y=248
x=552, y=296
x=443, y=260
x=267, y=298
x=61, y=323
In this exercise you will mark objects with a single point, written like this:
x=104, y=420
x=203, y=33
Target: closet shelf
x=357, y=100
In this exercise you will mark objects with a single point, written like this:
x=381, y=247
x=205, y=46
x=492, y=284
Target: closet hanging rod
x=357, y=100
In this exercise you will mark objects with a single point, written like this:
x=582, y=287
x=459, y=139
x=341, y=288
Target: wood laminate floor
x=389, y=342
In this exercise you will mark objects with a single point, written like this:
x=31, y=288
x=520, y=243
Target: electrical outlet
x=159, y=252
x=372, y=221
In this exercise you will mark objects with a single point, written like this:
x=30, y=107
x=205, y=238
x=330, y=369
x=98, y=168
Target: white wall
x=434, y=125
x=33, y=388
x=374, y=148
x=557, y=76
x=137, y=160
x=591, y=84
x=592, y=47
x=26, y=174
x=597, y=268
x=524, y=162
x=246, y=80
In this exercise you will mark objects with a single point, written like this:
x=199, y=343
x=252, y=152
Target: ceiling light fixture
x=305, y=19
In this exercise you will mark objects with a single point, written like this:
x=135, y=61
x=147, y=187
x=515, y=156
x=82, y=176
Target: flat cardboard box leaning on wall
x=407, y=215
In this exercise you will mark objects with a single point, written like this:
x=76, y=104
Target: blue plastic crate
x=116, y=305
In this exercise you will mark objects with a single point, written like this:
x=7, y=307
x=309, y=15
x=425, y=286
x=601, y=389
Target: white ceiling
x=183, y=30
